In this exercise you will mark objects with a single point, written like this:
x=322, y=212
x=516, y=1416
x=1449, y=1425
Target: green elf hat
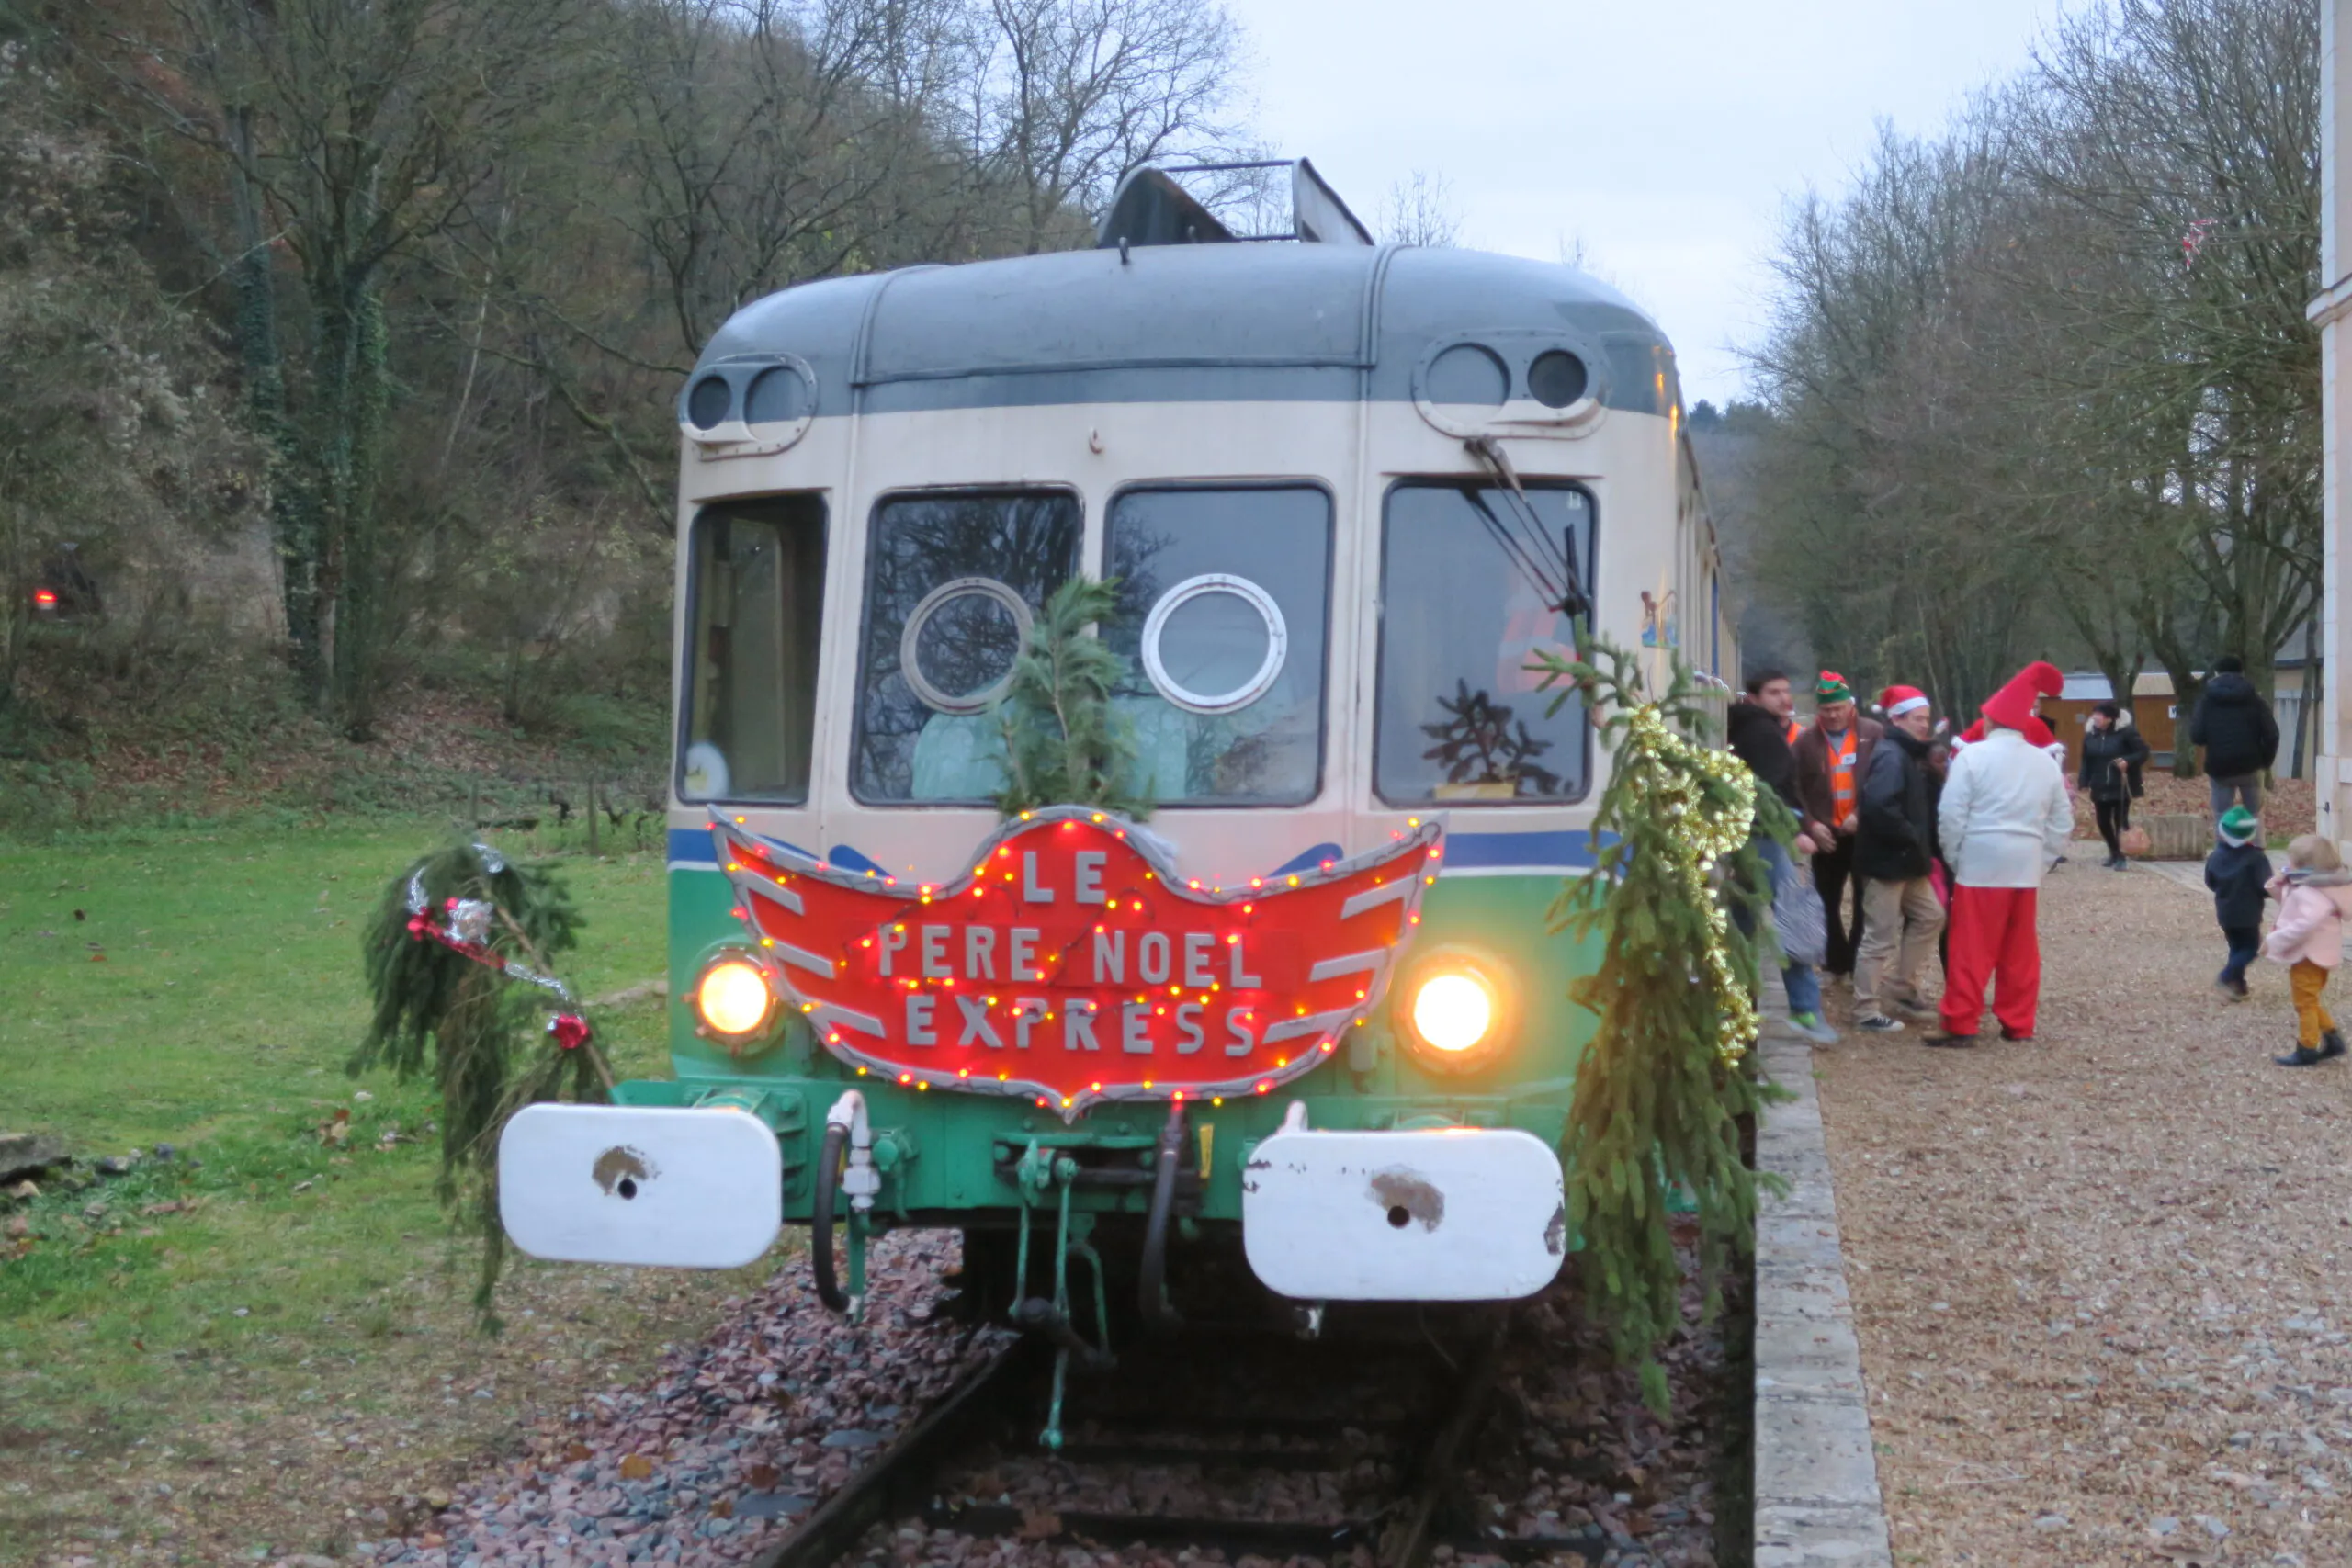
x=2238, y=826
x=1831, y=688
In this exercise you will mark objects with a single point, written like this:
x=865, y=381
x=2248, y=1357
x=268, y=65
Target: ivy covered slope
x=1662, y=1092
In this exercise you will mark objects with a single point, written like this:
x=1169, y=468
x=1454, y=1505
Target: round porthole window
x=1556, y=378
x=1214, y=643
x=708, y=402
x=958, y=651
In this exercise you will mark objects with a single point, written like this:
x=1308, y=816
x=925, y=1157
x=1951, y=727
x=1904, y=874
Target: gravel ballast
x=2100, y=1278
x=736, y=1439
x=739, y=1437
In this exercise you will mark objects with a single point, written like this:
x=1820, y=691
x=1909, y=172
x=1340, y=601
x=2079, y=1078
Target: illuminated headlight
x=1456, y=1011
x=733, y=998
x=1452, y=1012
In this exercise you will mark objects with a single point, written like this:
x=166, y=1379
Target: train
x=1308, y=1013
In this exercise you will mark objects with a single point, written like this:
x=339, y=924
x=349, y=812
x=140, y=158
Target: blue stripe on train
x=1567, y=850
x=1571, y=850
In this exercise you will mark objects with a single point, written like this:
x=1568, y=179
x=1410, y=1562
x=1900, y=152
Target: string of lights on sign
x=1074, y=964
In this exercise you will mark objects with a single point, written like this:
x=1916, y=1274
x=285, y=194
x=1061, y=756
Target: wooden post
x=593, y=851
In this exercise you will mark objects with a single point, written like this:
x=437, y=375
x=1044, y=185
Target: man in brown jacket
x=1831, y=759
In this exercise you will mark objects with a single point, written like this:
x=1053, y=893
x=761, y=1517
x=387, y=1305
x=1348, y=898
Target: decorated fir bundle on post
x=457, y=963
x=1660, y=1095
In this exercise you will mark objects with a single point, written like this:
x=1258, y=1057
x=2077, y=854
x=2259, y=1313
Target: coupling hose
x=821, y=1216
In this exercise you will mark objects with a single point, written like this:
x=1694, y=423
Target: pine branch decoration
x=475, y=1032
x=1660, y=1094
x=1064, y=742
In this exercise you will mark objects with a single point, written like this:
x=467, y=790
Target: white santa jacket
x=2004, y=812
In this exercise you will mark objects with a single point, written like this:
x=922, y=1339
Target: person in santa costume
x=2003, y=816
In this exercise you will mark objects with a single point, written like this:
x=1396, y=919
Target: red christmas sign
x=1073, y=964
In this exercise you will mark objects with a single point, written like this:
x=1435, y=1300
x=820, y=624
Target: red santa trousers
x=1993, y=939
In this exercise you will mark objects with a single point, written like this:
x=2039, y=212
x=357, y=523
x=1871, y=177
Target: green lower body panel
x=949, y=1157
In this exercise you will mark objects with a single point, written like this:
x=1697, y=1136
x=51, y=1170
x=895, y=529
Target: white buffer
x=677, y=1188
x=1452, y=1214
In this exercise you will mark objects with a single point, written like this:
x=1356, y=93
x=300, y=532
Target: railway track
x=1343, y=1450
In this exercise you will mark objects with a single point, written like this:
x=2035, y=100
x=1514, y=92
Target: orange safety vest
x=1795, y=729
x=1841, y=779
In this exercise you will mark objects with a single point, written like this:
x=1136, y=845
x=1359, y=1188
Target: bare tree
x=2053, y=365
x=2182, y=136
x=1070, y=95
x=1419, y=209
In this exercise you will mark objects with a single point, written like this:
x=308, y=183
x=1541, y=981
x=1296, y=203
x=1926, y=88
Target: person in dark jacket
x=2237, y=871
x=1831, y=759
x=1756, y=730
x=2239, y=734
x=2112, y=754
x=1894, y=860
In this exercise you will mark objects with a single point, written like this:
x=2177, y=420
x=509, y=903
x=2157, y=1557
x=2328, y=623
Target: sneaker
x=2016, y=1039
x=2300, y=1056
x=2331, y=1044
x=1809, y=1025
x=1948, y=1041
x=1877, y=1024
x=1917, y=1008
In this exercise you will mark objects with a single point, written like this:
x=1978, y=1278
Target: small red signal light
x=44, y=597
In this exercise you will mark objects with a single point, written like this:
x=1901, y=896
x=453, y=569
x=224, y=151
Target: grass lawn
x=264, y=1345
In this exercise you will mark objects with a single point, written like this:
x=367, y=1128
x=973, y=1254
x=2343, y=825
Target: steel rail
x=894, y=1483
x=902, y=1482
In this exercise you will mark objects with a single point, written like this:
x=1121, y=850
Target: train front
x=1309, y=1013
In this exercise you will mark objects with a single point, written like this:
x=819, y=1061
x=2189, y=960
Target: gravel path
x=2099, y=1278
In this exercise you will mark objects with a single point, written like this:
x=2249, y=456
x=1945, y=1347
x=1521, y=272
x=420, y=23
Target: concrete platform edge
x=1817, y=1502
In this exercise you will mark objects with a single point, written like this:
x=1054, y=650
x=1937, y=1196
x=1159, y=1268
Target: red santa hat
x=1896, y=701
x=2012, y=706
x=2034, y=729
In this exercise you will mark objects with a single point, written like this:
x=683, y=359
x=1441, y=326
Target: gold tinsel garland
x=1677, y=772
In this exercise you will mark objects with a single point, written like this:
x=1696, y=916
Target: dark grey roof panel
x=1087, y=310
x=1188, y=323
x=1160, y=384
x=819, y=322
x=1439, y=296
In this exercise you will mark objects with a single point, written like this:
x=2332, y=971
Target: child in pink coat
x=2315, y=894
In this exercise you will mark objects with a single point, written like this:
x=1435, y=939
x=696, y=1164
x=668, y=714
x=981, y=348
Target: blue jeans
x=1798, y=979
x=2245, y=946
x=2243, y=789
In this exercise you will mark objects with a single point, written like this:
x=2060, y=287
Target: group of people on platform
x=1917, y=842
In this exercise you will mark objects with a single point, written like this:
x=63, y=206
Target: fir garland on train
x=1662, y=1092
x=1064, y=743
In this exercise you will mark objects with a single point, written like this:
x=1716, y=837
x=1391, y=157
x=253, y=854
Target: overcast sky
x=1666, y=134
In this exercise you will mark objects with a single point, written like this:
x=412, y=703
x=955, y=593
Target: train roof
x=1191, y=322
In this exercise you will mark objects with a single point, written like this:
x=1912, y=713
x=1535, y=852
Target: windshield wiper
x=1550, y=569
